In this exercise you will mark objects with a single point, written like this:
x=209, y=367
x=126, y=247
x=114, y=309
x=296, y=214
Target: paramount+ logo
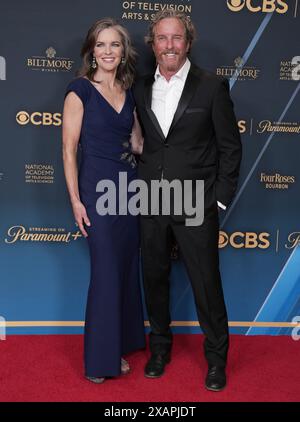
x=38, y=118
x=255, y=6
x=244, y=240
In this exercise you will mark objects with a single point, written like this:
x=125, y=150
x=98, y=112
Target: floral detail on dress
x=127, y=155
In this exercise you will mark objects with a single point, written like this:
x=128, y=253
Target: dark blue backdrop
x=44, y=271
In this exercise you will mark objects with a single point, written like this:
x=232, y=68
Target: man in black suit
x=190, y=133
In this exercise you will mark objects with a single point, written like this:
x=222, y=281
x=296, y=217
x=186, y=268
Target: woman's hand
x=136, y=140
x=81, y=216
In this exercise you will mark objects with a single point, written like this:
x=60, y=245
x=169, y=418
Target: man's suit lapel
x=186, y=96
x=148, y=99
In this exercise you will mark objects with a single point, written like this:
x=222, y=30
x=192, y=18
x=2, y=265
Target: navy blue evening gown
x=114, y=322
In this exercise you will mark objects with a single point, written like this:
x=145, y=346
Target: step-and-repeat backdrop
x=44, y=268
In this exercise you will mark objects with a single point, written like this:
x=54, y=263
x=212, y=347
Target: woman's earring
x=123, y=60
x=94, y=64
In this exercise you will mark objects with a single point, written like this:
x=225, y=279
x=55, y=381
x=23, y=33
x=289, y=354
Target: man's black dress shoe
x=216, y=378
x=155, y=366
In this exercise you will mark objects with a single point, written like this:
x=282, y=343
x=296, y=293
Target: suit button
x=166, y=145
x=159, y=168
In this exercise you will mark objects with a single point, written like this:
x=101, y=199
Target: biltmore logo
x=2, y=69
x=265, y=6
x=50, y=63
x=38, y=118
x=239, y=71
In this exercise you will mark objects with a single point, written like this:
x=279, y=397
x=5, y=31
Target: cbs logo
x=266, y=6
x=247, y=240
x=37, y=118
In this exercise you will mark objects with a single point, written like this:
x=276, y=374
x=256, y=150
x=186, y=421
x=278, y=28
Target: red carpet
x=49, y=368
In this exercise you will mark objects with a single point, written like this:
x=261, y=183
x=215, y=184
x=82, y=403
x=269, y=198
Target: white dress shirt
x=166, y=96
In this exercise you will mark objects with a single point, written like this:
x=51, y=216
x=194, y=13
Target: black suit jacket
x=203, y=142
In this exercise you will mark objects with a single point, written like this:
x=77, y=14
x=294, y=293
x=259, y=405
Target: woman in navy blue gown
x=99, y=116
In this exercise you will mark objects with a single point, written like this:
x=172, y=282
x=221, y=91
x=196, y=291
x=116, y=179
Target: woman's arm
x=72, y=121
x=136, y=139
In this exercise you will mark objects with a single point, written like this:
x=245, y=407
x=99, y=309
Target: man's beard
x=170, y=66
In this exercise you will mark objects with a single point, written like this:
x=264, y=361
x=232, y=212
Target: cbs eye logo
x=39, y=119
x=266, y=6
x=236, y=5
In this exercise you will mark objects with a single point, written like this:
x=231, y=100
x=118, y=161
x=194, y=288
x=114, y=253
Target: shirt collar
x=181, y=74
